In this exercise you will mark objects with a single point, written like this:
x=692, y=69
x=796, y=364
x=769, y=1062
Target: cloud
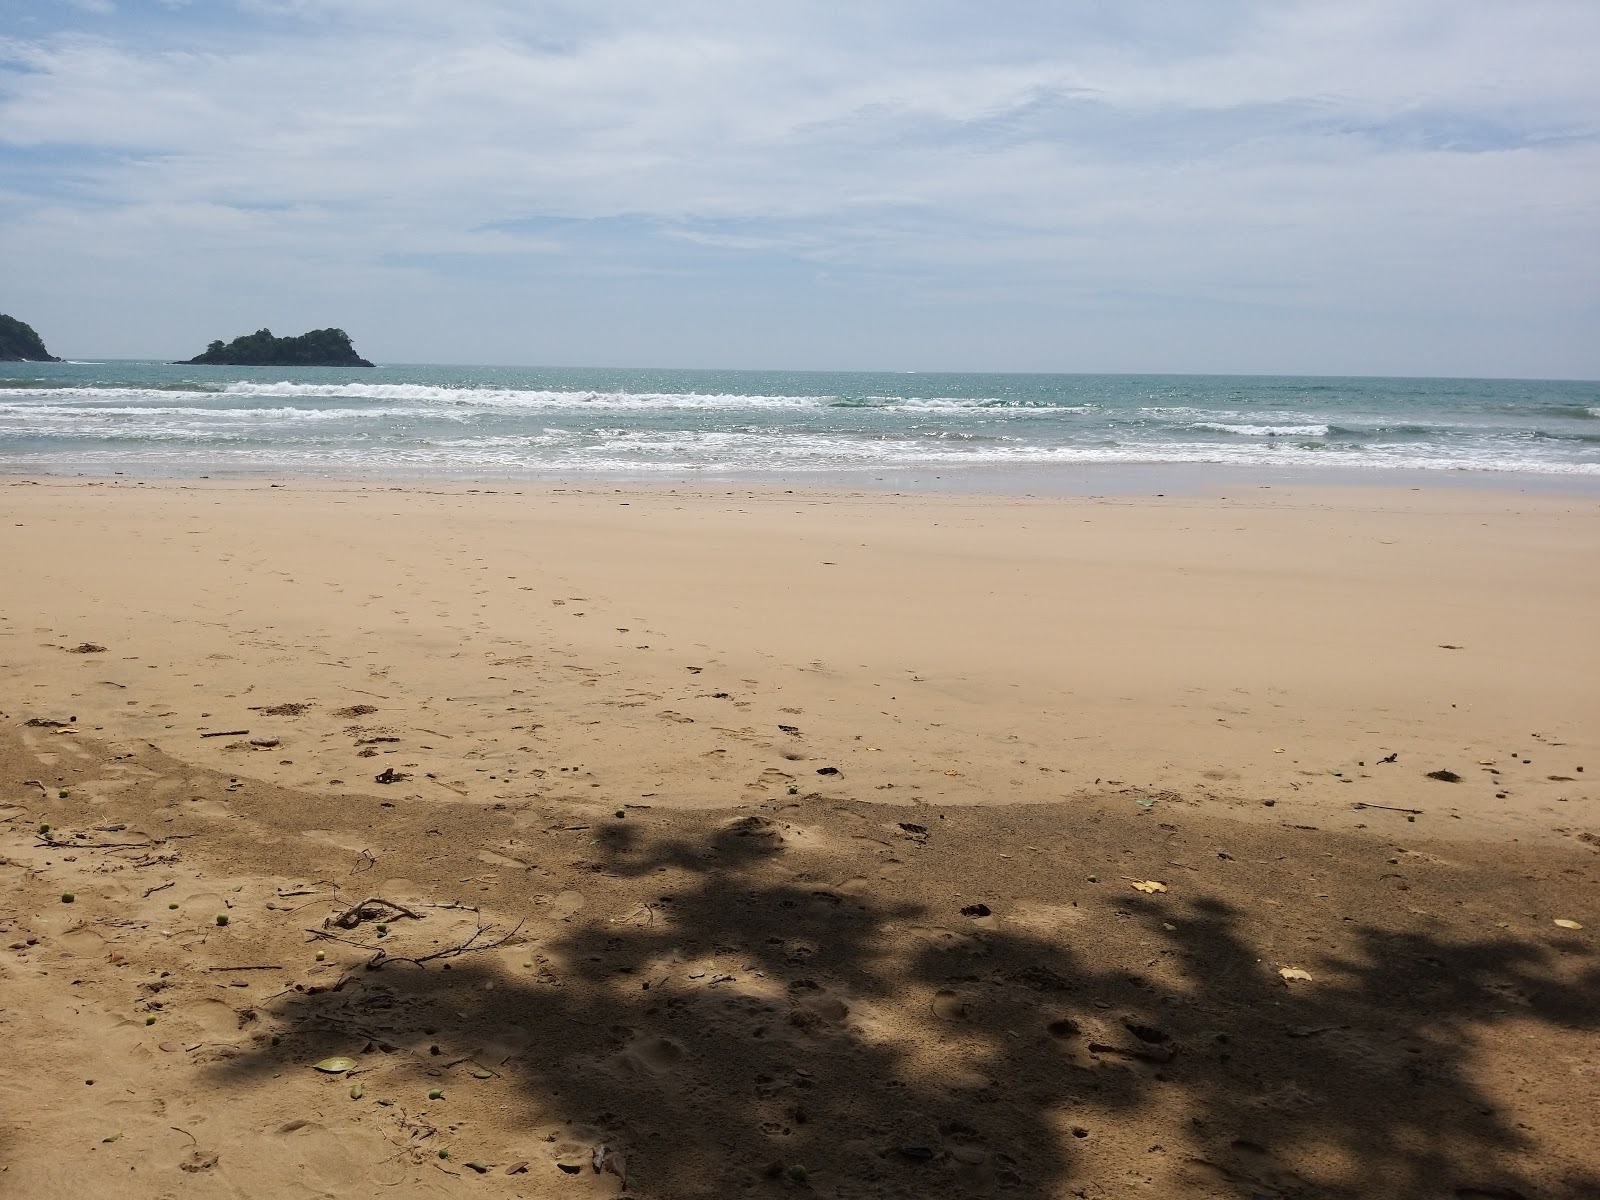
x=926, y=161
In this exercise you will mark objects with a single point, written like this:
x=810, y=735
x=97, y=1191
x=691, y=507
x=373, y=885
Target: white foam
x=95, y=395
x=516, y=397
x=368, y=428
x=435, y=397
x=1264, y=430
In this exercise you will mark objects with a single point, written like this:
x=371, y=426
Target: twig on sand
x=334, y=937
x=1360, y=804
x=57, y=844
x=357, y=913
x=160, y=887
x=227, y=733
x=466, y=947
x=310, y=889
x=267, y=967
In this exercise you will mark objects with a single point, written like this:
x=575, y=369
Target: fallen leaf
x=480, y=1073
x=1568, y=924
x=1295, y=973
x=1149, y=886
x=336, y=1065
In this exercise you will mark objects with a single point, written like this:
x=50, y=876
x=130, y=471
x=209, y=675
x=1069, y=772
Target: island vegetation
x=19, y=343
x=318, y=348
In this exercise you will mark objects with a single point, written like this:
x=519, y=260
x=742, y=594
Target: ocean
x=156, y=419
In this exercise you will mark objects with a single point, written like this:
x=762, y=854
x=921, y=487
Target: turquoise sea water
x=157, y=419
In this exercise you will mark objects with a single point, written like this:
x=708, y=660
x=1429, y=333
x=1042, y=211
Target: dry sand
x=831, y=722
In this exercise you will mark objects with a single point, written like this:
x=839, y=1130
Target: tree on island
x=19, y=343
x=318, y=348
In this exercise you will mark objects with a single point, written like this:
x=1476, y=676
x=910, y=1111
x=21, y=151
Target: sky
x=1406, y=187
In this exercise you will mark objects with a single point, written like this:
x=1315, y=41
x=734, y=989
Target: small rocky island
x=19, y=343
x=319, y=348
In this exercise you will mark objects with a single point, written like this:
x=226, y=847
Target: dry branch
x=357, y=913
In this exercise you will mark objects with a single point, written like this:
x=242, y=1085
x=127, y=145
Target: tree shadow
x=750, y=1027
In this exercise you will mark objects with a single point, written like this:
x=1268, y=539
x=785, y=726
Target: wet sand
x=829, y=723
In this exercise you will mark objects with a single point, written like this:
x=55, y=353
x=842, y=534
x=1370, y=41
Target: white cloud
x=1431, y=155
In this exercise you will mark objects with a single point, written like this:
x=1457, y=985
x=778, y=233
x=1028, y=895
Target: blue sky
x=1365, y=187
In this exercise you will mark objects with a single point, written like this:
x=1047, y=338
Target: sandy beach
x=786, y=842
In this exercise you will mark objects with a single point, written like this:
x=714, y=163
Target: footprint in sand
x=342, y=842
x=70, y=931
x=936, y=938
x=648, y=1055
x=502, y=860
x=205, y=903
x=565, y=906
x=504, y=1043
x=212, y=1018
x=814, y=1008
x=1044, y=918
x=764, y=834
x=771, y=782
x=322, y=1156
x=951, y=1005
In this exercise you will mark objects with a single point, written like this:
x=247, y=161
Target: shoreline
x=1112, y=479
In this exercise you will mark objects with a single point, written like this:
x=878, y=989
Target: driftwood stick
x=354, y=915
x=466, y=947
x=334, y=937
x=55, y=844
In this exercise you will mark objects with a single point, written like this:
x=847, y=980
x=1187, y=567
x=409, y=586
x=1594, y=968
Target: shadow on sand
x=748, y=1030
